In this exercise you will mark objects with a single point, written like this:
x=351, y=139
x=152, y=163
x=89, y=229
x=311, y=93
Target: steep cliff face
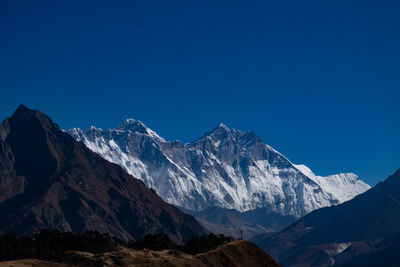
x=49, y=180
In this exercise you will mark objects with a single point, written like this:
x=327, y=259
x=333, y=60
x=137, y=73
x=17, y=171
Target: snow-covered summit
x=225, y=168
x=137, y=126
x=343, y=185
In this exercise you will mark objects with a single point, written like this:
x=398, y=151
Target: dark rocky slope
x=49, y=180
x=364, y=231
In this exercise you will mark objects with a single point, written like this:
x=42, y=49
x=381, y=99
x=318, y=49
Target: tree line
x=53, y=244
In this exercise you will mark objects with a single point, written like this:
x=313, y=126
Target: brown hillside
x=236, y=253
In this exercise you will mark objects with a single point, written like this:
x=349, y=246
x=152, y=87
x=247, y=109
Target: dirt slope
x=236, y=253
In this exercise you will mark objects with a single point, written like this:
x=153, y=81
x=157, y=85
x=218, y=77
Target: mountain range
x=49, y=180
x=228, y=179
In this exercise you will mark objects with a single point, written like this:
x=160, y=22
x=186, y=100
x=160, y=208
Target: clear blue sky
x=317, y=80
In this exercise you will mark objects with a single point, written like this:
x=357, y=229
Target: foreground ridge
x=235, y=253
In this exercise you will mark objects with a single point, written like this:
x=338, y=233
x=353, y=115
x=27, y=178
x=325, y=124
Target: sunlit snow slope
x=225, y=168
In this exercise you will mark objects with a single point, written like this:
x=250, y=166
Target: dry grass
x=236, y=253
x=32, y=262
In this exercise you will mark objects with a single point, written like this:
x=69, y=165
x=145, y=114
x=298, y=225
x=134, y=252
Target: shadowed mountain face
x=364, y=231
x=49, y=180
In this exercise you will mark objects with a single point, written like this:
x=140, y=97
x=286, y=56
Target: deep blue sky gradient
x=317, y=80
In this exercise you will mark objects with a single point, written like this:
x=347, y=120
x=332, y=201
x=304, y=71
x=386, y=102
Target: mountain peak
x=24, y=115
x=221, y=128
x=222, y=125
x=132, y=125
x=138, y=126
x=23, y=110
x=131, y=121
x=22, y=107
x=218, y=132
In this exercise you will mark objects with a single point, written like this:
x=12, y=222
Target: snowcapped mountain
x=225, y=168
